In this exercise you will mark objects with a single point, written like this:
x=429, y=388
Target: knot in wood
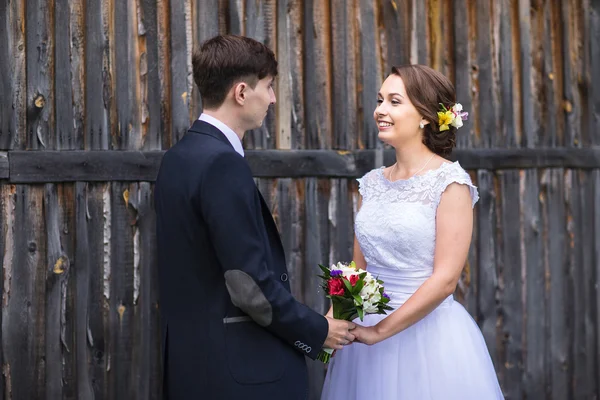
x=39, y=101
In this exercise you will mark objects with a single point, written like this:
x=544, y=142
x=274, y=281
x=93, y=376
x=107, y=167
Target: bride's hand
x=368, y=335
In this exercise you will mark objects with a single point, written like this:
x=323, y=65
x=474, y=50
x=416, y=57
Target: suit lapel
x=271, y=226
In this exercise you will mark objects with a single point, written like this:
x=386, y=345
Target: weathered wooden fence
x=92, y=92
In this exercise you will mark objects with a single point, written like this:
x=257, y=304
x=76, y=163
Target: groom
x=230, y=327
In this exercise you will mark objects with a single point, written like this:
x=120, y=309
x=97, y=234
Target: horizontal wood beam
x=94, y=166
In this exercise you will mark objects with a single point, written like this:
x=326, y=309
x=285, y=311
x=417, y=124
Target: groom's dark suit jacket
x=230, y=326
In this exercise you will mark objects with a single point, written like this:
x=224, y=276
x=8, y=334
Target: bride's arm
x=357, y=256
x=454, y=226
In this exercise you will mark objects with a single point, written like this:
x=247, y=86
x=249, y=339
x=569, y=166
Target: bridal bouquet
x=354, y=292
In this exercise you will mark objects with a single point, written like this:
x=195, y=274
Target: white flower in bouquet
x=371, y=287
x=369, y=308
x=347, y=270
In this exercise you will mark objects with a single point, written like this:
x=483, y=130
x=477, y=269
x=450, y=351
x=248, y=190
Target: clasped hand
x=342, y=333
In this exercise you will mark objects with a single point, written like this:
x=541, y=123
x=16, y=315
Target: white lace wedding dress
x=443, y=356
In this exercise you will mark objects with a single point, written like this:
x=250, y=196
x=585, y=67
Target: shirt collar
x=233, y=138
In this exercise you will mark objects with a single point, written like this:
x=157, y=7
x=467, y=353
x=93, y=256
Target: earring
x=421, y=125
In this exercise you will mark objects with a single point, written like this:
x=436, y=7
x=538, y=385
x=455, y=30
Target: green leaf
x=361, y=313
x=358, y=299
x=347, y=284
x=359, y=286
x=325, y=270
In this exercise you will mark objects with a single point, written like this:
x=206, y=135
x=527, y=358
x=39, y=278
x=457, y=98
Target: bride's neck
x=410, y=158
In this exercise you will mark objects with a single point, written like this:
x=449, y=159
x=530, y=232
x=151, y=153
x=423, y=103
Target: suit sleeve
x=231, y=208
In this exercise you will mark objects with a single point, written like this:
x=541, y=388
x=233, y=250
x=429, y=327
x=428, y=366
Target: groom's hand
x=339, y=333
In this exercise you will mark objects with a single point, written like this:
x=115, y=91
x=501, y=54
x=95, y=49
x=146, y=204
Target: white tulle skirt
x=443, y=356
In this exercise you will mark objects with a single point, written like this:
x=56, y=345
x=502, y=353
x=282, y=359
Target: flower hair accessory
x=454, y=116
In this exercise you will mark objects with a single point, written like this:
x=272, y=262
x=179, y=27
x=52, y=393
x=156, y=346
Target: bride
x=413, y=230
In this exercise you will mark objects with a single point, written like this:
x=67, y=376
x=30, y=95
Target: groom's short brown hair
x=225, y=59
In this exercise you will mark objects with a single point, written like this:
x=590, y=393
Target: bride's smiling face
x=396, y=117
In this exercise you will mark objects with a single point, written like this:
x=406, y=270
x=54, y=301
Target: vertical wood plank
x=527, y=74
x=340, y=222
x=570, y=58
x=284, y=85
x=555, y=248
x=57, y=273
x=534, y=119
x=485, y=110
x=574, y=322
x=316, y=241
x=146, y=324
x=487, y=267
x=69, y=91
x=290, y=81
x=435, y=34
x=23, y=308
x=512, y=306
x=344, y=101
x=151, y=95
x=370, y=73
x=593, y=77
x=98, y=80
x=127, y=132
x=163, y=42
x=508, y=79
x=583, y=68
x=99, y=213
x=8, y=204
x=83, y=257
x=535, y=281
x=397, y=38
x=5, y=265
x=181, y=72
x=206, y=25
x=596, y=185
x=462, y=70
x=13, y=91
x=579, y=271
x=418, y=28
x=67, y=234
x=317, y=84
x=236, y=17
x=40, y=76
x=550, y=79
x=559, y=73
x=120, y=379
x=585, y=288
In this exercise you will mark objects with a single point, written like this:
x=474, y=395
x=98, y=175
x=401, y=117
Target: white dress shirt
x=233, y=138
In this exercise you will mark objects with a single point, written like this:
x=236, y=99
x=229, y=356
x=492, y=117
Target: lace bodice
x=395, y=225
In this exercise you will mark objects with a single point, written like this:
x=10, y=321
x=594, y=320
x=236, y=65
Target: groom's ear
x=240, y=92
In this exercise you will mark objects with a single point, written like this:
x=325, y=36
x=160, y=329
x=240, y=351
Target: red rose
x=353, y=279
x=336, y=287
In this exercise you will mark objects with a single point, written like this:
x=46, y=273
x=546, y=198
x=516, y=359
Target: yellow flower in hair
x=445, y=118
